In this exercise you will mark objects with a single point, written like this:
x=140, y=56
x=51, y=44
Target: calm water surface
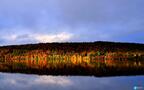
x=36, y=82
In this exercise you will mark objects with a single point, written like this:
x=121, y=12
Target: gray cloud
x=102, y=11
x=107, y=19
x=27, y=13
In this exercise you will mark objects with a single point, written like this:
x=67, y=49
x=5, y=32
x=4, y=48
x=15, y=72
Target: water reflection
x=35, y=82
x=75, y=65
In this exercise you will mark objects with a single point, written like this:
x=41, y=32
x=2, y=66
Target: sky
x=42, y=21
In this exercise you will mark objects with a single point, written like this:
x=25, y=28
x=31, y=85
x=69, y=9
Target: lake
x=51, y=73
x=14, y=81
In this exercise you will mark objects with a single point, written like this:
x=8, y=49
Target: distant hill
x=80, y=46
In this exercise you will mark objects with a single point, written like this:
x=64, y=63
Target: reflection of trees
x=85, y=61
x=44, y=59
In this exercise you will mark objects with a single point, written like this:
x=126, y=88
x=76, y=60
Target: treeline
x=85, y=50
x=79, y=47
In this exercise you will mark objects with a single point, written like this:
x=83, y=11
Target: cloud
x=101, y=11
x=27, y=13
x=60, y=37
x=37, y=37
x=31, y=21
x=108, y=19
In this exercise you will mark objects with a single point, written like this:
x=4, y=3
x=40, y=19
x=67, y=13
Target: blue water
x=35, y=82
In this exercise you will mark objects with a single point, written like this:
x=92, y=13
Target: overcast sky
x=34, y=21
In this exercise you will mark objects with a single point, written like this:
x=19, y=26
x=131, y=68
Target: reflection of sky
x=35, y=82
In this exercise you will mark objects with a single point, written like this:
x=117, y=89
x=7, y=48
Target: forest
x=86, y=58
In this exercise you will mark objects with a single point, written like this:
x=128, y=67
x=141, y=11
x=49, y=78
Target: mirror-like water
x=35, y=82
